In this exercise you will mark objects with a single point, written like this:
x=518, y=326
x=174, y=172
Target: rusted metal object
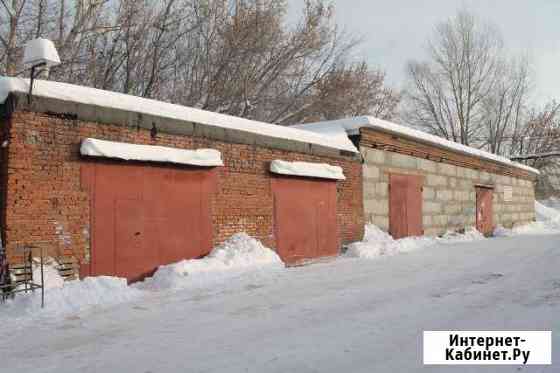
x=405, y=205
x=305, y=223
x=144, y=216
x=484, y=210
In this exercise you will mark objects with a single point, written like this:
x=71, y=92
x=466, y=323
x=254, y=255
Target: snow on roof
x=352, y=127
x=320, y=170
x=121, y=150
x=120, y=101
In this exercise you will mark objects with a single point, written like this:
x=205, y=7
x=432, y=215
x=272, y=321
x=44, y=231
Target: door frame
x=334, y=243
x=478, y=224
x=89, y=169
x=414, y=179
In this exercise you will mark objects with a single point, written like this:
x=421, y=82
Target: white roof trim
x=352, y=127
x=120, y=101
x=133, y=152
x=320, y=170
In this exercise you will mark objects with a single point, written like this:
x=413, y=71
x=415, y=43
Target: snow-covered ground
x=239, y=310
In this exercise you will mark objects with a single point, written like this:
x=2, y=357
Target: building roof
x=351, y=126
x=106, y=99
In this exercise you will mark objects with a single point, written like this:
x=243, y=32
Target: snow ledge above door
x=320, y=170
x=133, y=152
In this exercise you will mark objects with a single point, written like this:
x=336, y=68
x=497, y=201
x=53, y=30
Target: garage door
x=405, y=206
x=484, y=210
x=305, y=218
x=144, y=216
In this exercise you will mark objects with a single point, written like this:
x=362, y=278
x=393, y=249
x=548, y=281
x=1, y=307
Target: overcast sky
x=395, y=31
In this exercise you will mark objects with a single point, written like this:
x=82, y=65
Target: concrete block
x=444, y=195
x=376, y=206
x=452, y=208
x=461, y=195
x=433, y=231
x=427, y=165
x=381, y=221
x=436, y=180
x=447, y=169
x=440, y=220
x=432, y=207
x=382, y=189
x=403, y=161
x=428, y=194
x=381, y=207
x=371, y=172
x=485, y=177
x=374, y=156
x=466, y=184
x=472, y=174
x=369, y=205
x=427, y=221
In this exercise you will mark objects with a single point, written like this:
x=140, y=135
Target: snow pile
x=545, y=211
x=321, y=170
x=240, y=254
x=469, y=235
x=378, y=243
x=51, y=277
x=548, y=222
x=120, y=150
x=72, y=297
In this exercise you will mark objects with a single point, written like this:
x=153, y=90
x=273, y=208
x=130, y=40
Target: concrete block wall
x=449, y=196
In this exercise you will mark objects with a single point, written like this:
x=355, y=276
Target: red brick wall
x=46, y=205
x=4, y=128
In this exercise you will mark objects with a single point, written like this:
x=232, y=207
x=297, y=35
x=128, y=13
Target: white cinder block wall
x=449, y=196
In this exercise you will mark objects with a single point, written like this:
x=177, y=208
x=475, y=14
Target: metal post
x=42, y=282
x=32, y=78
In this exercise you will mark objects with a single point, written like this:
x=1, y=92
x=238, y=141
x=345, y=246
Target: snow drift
x=378, y=243
x=240, y=254
x=548, y=222
x=73, y=296
x=51, y=277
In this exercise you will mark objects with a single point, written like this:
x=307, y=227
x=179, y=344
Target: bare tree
x=237, y=57
x=504, y=109
x=539, y=135
x=448, y=93
x=351, y=91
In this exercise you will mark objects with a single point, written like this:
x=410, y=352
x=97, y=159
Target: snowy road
x=349, y=315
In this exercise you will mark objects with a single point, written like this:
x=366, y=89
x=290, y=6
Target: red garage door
x=145, y=216
x=484, y=210
x=305, y=218
x=405, y=206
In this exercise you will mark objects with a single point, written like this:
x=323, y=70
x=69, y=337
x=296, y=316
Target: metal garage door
x=484, y=210
x=144, y=216
x=405, y=206
x=305, y=218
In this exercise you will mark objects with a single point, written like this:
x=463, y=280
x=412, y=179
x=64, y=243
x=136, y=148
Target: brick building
x=120, y=214
x=416, y=183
